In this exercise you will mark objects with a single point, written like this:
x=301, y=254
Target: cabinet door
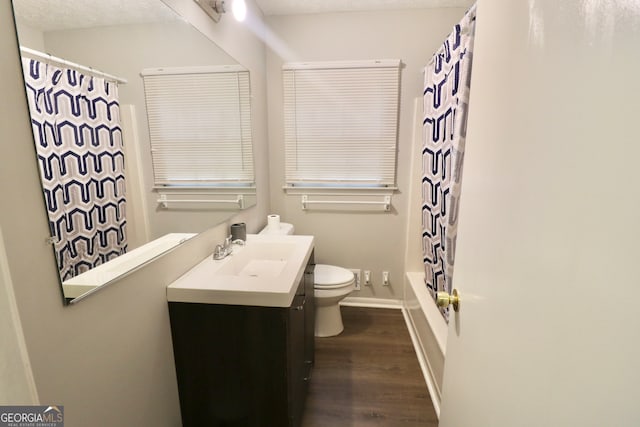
x=232, y=364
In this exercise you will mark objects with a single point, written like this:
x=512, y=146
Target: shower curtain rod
x=50, y=58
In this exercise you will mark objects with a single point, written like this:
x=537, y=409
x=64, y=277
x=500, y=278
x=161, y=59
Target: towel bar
x=385, y=203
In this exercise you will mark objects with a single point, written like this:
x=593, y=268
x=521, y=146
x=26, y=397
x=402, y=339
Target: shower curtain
x=76, y=125
x=446, y=99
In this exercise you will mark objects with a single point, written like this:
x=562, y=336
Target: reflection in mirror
x=92, y=134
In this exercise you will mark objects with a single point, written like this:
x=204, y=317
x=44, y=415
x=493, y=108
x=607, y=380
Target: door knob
x=443, y=299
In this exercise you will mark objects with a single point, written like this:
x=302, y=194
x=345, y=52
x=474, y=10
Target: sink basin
x=258, y=259
x=265, y=271
x=256, y=268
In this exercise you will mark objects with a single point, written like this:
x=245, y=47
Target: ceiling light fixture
x=239, y=9
x=215, y=8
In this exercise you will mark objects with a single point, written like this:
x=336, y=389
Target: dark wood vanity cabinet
x=244, y=365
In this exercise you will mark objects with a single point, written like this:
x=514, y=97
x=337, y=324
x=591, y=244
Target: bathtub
x=428, y=331
x=118, y=267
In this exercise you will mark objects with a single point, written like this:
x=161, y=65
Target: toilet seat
x=332, y=277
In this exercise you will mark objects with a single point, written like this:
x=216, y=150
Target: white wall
x=371, y=241
x=413, y=245
x=16, y=379
x=108, y=359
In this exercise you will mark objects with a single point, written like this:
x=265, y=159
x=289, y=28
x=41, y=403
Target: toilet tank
x=283, y=228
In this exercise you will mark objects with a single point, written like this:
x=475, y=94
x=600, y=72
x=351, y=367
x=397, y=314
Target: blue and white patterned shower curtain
x=446, y=99
x=76, y=125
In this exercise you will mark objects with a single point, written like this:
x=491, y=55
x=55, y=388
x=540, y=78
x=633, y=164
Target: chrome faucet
x=224, y=250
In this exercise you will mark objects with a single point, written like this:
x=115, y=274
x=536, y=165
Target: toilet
x=331, y=285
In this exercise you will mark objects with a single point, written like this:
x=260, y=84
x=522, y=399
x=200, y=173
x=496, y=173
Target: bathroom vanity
x=243, y=334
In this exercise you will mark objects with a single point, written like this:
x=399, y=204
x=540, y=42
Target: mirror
x=122, y=41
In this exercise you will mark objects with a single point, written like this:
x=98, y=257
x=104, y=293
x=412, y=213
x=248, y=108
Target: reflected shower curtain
x=446, y=99
x=76, y=126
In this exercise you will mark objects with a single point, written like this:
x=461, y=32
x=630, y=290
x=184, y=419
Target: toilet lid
x=330, y=275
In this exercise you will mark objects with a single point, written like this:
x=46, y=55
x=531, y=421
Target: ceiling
x=52, y=15
x=291, y=7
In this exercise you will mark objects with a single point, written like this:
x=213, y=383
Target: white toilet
x=331, y=285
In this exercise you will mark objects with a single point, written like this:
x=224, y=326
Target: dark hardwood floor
x=368, y=376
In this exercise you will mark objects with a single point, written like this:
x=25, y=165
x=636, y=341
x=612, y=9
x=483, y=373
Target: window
x=341, y=123
x=200, y=126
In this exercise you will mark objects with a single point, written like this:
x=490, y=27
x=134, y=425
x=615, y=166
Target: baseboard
x=424, y=364
x=371, y=302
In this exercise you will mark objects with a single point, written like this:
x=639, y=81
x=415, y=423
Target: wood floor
x=368, y=376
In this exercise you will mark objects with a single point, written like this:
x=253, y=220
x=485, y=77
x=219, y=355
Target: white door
x=548, y=255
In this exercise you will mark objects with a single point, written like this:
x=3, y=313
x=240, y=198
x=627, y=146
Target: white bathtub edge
x=428, y=331
x=424, y=363
x=437, y=323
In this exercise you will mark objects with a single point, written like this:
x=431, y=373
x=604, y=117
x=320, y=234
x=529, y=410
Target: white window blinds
x=341, y=122
x=200, y=125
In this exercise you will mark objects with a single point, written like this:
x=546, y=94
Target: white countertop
x=224, y=282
